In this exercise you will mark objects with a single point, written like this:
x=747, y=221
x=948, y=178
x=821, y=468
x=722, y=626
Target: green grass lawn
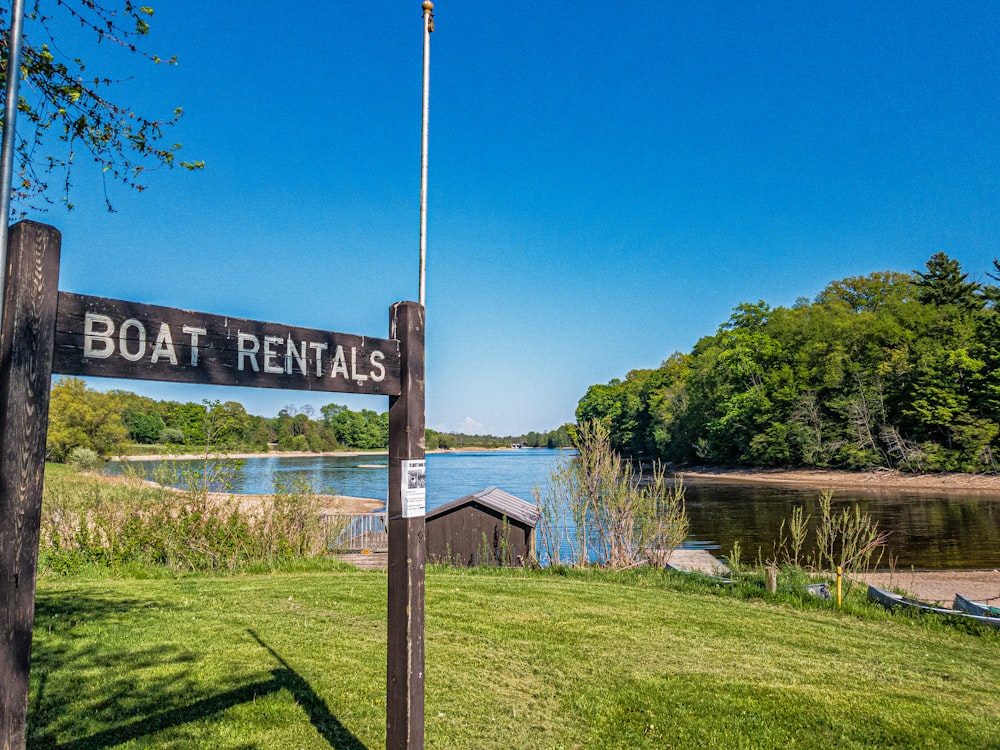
x=514, y=660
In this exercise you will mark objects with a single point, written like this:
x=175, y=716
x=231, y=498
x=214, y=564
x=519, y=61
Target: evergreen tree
x=944, y=283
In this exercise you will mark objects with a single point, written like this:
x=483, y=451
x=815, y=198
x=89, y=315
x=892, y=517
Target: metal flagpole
x=14, y=44
x=428, y=7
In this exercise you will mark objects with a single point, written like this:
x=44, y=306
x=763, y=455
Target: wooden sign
x=45, y=331
x=111, y=338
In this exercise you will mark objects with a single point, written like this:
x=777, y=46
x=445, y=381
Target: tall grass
x=596, y=508
x=87, y=521
x=850, y=540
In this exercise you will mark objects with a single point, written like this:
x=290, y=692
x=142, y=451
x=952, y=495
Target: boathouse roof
x=502, y=502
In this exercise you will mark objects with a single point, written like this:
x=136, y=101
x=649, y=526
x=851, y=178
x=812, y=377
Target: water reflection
x=927, y=530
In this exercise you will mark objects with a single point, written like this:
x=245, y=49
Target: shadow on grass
x=52, y=613
x=281, y=679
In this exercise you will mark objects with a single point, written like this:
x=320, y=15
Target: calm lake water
x=449, y=475
x=928, y=530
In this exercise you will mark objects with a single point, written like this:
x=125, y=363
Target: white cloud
x=470, y=425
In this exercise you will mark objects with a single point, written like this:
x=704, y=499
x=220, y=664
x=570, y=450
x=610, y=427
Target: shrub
x=606, y=512
x=84, y=459
x=171, y=435
x=850, y=540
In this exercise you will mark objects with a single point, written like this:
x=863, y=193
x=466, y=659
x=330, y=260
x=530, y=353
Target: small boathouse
x=488, y=527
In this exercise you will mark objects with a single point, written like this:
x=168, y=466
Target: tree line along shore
x=889, y=371
x=122, y=423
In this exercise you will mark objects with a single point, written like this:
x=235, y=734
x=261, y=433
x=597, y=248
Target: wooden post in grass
x=406, y=506
x=26, y=344
x=771, y=579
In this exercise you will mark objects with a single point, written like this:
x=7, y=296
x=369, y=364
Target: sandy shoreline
x=329, y=504
x=941, y=585
x=874, y=481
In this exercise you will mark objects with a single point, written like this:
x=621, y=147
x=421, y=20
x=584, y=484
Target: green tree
x=364, y=430
x=229, y=423
x=668, y=406
x=944, y=283
x=432, y=439
x=65, y=109
x=561, y=437
x=143, y=427
x=623, y=406
x=140, y=415
x=189, y=418
x=81, y=417
x=870, y=293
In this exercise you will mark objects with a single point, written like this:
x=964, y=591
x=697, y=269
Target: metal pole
x=14, y=44
x=428, y=7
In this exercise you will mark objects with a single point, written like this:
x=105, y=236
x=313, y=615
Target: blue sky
x=607, y=181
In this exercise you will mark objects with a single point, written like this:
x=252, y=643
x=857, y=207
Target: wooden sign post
x=46, y=331
x=25, y=374
x=405, y=668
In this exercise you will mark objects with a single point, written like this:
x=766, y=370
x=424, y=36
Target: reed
x=599, y=509
x=89, y=521
x=850, y=540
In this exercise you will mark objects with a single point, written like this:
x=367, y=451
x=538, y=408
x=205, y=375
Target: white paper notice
x=414, y=488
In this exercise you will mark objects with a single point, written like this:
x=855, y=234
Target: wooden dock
x=365, y=560
x=361, y=540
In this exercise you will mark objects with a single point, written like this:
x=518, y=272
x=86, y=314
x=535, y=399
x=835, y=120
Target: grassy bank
x=514, y=660
x=128, y=526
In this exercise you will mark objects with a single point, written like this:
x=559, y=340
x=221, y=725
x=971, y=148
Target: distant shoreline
x=331, y=504
x=296, y=454
x=238, y=455
x=881, y=480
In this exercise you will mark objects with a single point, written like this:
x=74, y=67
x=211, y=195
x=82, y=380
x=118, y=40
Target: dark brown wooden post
x=405, y=662
x=26, y=343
